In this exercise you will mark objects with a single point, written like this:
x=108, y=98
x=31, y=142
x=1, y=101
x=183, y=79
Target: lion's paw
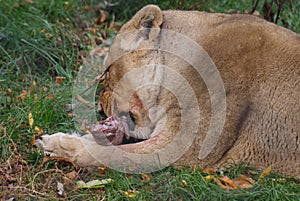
x=71, y=146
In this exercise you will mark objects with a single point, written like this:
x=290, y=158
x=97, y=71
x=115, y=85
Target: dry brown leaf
x=1, y=88
x=8, y=92
x=29, y=1
x=265, y=173
x=280, y=180
x=72, y=175
x=102, y=171
x=34, y=137
x=103, y=17
x=32, y=87
x=91, y=29
x=30, y=120
x=145, y=177
x=23, y=94
x=226, y=183
x=39, y=131
x=209, y=177
x=85, y=8
x=184, y=183
x=50, y=96
x=195, y=167
x=131, y=193
x=231, y=184
x=208, y=171
x=59, y=80
x=244, y=181
x=49, y=35
x=45, y=89
x=71, y=115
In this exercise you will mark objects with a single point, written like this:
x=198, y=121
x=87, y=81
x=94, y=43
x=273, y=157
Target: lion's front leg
x=70, y=146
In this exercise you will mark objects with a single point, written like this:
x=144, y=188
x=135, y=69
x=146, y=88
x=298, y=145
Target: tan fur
x=259, y=63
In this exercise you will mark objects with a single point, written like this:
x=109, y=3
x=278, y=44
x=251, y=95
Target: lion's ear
x=143, y=29
x=148, y=17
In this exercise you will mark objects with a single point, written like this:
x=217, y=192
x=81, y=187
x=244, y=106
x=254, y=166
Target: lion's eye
x=131, y=115
x=101, y=112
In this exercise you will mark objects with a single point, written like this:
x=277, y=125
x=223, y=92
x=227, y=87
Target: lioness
x=244, y=105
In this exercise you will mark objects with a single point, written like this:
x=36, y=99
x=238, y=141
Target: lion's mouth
x=112, y=131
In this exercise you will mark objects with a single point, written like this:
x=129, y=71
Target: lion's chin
x=112, y=131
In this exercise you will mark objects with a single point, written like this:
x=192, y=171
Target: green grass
x=49, y=38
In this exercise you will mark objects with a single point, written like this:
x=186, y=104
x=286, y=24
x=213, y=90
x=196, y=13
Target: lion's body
x=259, y=64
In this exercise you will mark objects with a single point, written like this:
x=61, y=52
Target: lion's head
x=137, y=85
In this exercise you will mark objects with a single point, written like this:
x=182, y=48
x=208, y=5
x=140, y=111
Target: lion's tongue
x=110, y=131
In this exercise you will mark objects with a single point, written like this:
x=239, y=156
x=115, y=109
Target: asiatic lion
x=162, y=93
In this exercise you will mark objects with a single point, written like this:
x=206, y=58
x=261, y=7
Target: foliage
x=125, y=9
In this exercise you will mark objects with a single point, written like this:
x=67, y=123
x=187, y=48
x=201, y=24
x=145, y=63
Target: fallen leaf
x=184, y=183
x=29, y=1
x=34, y=137
x=280, y=180
x=44, y=89
x=50, y=96
x=265, y=173
x=208, y=171
x=86, y=8
x=131, y=193
x=145, y=177
x=30, y=120
x=8, y=92
x=195, y=167
x=32, y=87
x=72, y=175
x=59, y=80
x=209, y=177
x=244, y=181
x=94, y=183
x=23, y=95
x=102, y=171
x=39, y=131
x=49, y=35
x=103, y=17
x=1, y=88
x=91, y=29
x=71, y=115
x=226, y=183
